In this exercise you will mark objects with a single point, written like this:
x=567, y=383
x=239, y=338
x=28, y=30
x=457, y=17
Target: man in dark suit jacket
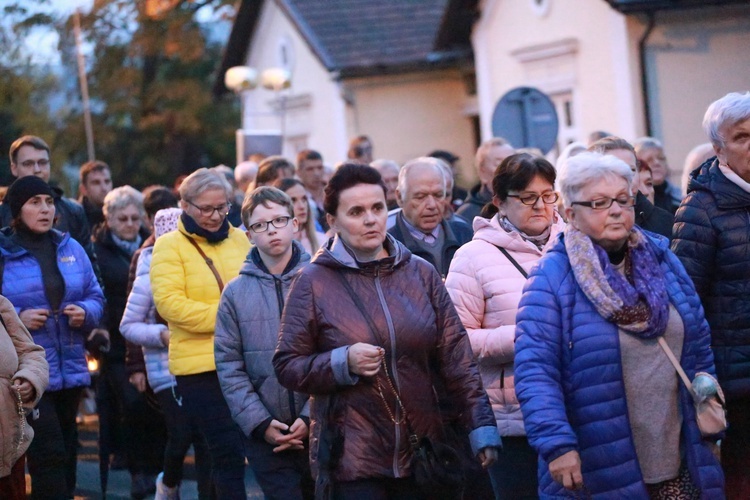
x=421, y=224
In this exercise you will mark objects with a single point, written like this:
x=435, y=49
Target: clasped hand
x=285, y=437
x=34, y=319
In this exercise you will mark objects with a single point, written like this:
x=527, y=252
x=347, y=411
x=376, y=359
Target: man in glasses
x=420, y=225
x=29, y=155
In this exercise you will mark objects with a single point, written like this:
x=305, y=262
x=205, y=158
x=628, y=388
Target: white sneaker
x=164, y=492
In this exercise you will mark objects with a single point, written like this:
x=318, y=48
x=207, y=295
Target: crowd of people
x=373, y=331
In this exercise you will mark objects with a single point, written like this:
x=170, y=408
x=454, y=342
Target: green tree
x=150, y=74
x=25, y=88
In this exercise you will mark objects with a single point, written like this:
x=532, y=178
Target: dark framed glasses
x=209, y=211
x=605, y=203
x=278, y=223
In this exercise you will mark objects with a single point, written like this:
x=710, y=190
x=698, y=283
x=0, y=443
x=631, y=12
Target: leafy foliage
x=24, y=88
x=150, y=68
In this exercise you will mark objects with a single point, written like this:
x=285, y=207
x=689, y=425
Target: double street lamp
x=243, y=79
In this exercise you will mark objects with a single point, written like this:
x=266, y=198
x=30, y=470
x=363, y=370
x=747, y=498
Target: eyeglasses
x=30, y=163
x=209, y=211
x=531, y=199
x=278, y=223
x=605, y=203
x=123, y=219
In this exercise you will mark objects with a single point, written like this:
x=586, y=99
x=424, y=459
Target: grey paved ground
x=88, y=485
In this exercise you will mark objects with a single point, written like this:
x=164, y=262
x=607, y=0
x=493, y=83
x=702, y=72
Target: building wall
x=693, y=58
x=410, y=115
x=314, y=108
x=577, y=51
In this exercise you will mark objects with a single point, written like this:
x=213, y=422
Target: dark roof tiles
x=361, y=33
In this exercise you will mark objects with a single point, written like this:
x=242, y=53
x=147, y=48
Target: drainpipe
x=644, y=77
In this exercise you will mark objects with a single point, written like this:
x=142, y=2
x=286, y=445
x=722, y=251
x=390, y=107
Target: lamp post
x=243, y=79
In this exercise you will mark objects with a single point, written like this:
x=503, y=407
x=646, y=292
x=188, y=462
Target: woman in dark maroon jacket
x=366, y=305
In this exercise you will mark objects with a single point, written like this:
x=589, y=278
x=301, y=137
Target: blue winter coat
x=570, y=384
x=22, y=284
x=712, y=239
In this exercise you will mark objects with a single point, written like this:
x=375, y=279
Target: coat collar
x=709, y=177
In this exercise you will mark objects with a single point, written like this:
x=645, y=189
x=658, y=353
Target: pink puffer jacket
x=485, y=288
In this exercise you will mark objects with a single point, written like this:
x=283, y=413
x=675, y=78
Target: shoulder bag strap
x=513, y=261
x=208, y=261
x=676, y=364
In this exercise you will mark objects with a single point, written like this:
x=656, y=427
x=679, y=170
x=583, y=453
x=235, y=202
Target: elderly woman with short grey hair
x=602, y=404
x=128, y=425
x=189, y=269
x=712, y=238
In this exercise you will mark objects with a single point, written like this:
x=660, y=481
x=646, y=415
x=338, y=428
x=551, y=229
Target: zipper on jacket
x=280, y=300
x=502, y=378
x=392, y=336
x=279, y=294
x=56, y=316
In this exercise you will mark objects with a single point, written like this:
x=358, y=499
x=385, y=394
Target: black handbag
x=437, y=468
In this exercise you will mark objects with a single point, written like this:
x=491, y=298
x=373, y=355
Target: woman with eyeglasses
x=485, y=285
x=189, y=269
x=128, y=426
x=602, y=404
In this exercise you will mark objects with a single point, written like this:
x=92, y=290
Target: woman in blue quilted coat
x=602, y=404
x=49, y=279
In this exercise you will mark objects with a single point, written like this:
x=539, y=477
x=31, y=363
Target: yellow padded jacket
x=186, y=293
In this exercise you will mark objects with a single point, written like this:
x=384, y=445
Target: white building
x=420, y=75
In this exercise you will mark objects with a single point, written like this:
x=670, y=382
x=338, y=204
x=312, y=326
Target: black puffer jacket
x=478, y=197
x=712, y=239
x=426, y=346
x=652, y=218
x=115, y=263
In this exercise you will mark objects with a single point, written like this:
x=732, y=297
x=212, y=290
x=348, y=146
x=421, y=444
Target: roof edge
x=307, y=33
x=438, y=61
x=238, y=44
x=635, y=6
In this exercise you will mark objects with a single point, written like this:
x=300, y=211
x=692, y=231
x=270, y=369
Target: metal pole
x=84, y=88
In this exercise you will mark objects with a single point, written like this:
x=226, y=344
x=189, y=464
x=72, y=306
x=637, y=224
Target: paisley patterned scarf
x=637, y=302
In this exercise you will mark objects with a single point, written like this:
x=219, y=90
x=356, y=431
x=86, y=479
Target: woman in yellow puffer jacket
x=189, y=268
